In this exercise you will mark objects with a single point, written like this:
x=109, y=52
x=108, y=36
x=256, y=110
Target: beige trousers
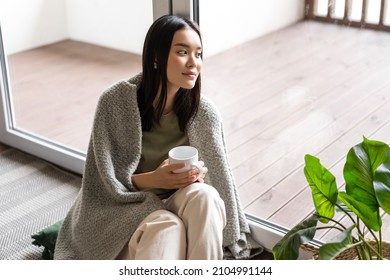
x=191, y=229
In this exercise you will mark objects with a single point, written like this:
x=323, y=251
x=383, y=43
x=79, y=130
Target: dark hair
x=156, y=50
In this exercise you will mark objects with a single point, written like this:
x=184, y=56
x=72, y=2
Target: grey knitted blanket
x=109, y=208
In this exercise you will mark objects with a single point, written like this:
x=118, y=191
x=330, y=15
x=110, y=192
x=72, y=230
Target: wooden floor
x=310, y=88
x=56, y=87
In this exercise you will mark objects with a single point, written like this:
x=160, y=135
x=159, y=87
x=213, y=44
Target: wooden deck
x=310, y=88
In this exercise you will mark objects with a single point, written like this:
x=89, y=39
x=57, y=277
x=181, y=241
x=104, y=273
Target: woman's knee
x=197, y=198
x=204, y=192
x=162, y=223
x=166, y=218
x=207, y=200
x=205, y=195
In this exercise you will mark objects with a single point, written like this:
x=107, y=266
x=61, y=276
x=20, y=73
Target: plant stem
x=336, y=222
x=379, y=253
x=367, y=248
x=331, y=227
x=378, y=242
x=370, y=248
x=346, y=213
x=360, y=233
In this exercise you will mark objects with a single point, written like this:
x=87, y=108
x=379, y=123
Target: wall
x=120, y=24
x=222, y=21
x=27, y=24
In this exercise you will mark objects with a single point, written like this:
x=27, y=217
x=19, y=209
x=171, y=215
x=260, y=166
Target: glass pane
x=386, y=19
x=339, y=9
x=356, y=12
x=373, y=11
x=287, y=87
x=62, y=54
x=322, y=7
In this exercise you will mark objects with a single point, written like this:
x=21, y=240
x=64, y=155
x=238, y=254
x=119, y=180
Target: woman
x=131, y=204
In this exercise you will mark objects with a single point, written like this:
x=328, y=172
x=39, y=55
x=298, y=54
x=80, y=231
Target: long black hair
x=155, y=52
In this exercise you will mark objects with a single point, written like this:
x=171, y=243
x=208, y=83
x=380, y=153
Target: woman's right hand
x=164, y=178
x=167, y=179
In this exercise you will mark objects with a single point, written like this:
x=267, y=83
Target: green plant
x=366, y=196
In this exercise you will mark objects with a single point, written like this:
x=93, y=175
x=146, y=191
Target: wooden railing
x=340, y=12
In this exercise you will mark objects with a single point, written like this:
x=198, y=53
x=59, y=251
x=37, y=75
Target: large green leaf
x=382, y=185
x=337, y=245
x=323, y=187
x=362, y=161
x=369, y=215
x=377, y=152
x=288, y=247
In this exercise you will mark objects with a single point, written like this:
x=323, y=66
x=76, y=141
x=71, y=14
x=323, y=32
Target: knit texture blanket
x=109, y=208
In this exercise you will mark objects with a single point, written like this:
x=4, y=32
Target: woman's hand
x=167, y=179
x=164, y=177
x=205, y=170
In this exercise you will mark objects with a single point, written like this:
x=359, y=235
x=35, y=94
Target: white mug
x=187, y=155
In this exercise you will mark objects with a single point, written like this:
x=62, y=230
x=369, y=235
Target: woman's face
x=184, y=60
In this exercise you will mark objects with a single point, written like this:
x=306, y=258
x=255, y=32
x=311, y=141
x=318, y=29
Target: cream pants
x=191, y=229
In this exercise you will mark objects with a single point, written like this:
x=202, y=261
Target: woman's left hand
x=205, y=170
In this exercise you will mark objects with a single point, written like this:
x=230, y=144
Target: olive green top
x=156, y=144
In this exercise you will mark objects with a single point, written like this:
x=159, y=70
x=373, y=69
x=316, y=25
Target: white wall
x=27, y=24
x=228, y=23
x=119, y=24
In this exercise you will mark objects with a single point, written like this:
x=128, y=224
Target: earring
x=155, y=65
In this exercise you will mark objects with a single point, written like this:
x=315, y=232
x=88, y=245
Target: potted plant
x=366, y=196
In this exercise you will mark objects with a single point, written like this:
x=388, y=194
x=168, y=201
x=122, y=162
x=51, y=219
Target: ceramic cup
x=187, y=155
